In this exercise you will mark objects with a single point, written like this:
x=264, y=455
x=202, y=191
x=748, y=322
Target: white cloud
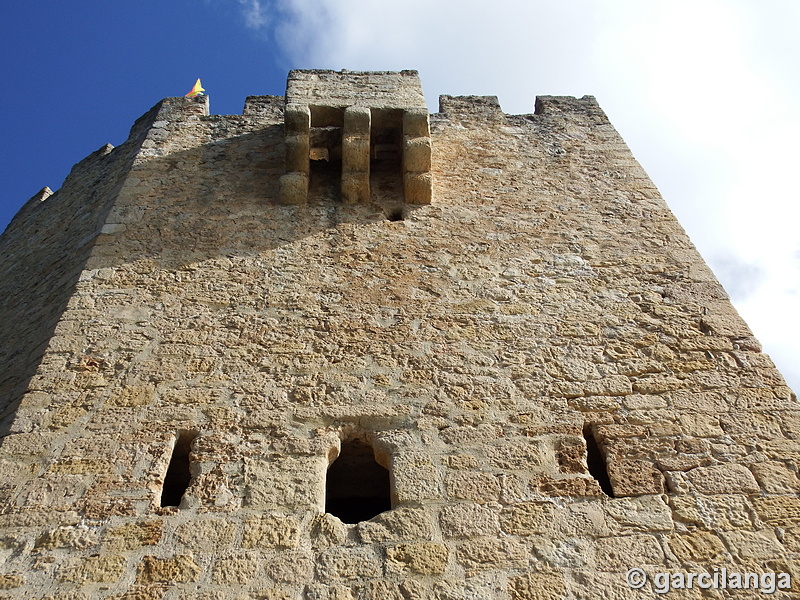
x=255, y=14
x=706, y=93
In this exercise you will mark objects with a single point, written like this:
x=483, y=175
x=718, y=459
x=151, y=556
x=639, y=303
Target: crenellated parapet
x=362, y=121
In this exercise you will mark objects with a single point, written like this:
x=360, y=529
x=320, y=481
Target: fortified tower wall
x=517, y=389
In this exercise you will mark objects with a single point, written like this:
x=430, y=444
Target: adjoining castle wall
x=543, y=320
x=42, y=253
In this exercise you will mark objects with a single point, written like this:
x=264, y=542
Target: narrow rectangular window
x=596, y=462
x=179, y=475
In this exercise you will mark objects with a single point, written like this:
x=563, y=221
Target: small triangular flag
x=197, y=90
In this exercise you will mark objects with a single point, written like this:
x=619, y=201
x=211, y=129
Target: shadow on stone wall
x=213, y=200
x=219, y=200
x=44, y=250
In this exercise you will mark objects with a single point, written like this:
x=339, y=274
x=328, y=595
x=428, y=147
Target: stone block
x=475, y=486
x=618, y=553
x=613, y=385
x=133, y=395
x=642, y=513
x=491, y=554
x=582, y=519
x=298, y=149
x=206, y=534
x=297, y=119
x=723, y=479
x=357, y=121
x=537, y=586
x=288, y=566
x=75, y=537
x=26, y=444
x=349, y=564
x=286, y=482
x=416, y=484
x=417, y=188
x=94, y=569
x=758, y=546
x=271, y=531
x=778, y=511
x=527, y=518
x=775, y=478
x=417, y=155
x=527, y=455
x=718, y=512
x=462, y=461
x=635, y=478
x=327, y=530
x=9, y=581
x=236, y=570
x=416, y=123
x=471, y=436
x=293, y=188
x=577, y=487
x=177, y=569
x=424, y=559
x=468, y=520
x=355, y=155
x=557, y=553
x=355, y=187
x=698, y=547
x=396, y=525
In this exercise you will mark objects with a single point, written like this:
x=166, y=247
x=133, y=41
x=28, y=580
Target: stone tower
x=336, y=348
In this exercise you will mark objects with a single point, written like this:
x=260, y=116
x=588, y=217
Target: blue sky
x=77, y=74
x=705, y=92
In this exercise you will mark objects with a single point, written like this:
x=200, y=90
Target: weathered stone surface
x=236, y=570
x=527, y=518
x=94, y=569
x=178, y=569
x=630, y=477
x=426, y=559
x=643, y=513
x=618, y=553
x=400, y=524
x=287, y=482
x=348, y=564
x=271, y=531
x=475, y=486
x=718, y=512
x=722, y=479
x=491, y=554
x=327, y=530
x=141, y=592
x=698, y=547
x=754, y=545
x=537, y=586
x=468, y=520
x=9, y=582
x=207, y=534
x=776, y=478
x=77, y=538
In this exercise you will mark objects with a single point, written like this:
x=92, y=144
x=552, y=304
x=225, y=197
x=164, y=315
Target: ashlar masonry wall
x=543, y=314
